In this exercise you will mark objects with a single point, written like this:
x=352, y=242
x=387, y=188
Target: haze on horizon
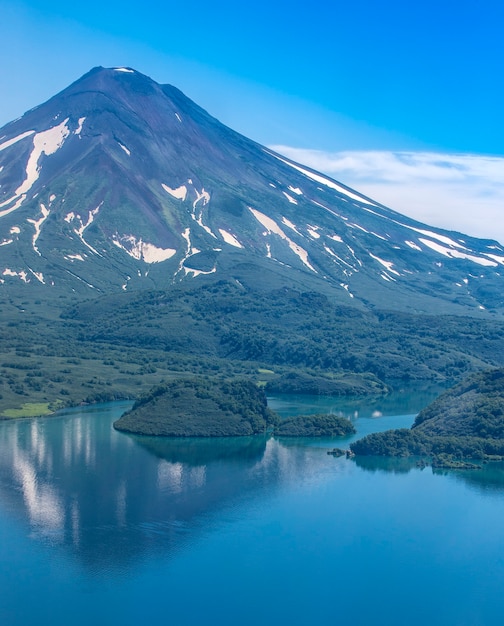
x=401, y=102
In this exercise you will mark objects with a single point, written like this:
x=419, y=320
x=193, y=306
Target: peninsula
x=465, y=423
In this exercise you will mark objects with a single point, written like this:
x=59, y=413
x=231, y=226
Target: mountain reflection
x=488, y=479
x=109, y=498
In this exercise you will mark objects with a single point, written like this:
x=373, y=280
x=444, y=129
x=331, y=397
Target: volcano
x=119, y=184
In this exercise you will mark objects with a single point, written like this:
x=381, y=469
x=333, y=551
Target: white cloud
x=461, y=192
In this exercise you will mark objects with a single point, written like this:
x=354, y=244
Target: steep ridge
x=120, y=184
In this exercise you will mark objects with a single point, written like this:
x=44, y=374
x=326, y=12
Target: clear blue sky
x=417, y=83
x=353, y=74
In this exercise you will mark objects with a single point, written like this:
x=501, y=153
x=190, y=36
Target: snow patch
x=456, y=254
x=178, y=117
x=442, y=238
x=38, y=226
x=339, y=259
x=290, y=225
x=140, y=250
x=79, y=127
x=383, y=238
x=74, y=257
x=38, y=275
x=180, y=192
x=14, y=207
x=11, y=142
x=124, y=69
x=195, y=273
x=499, y=259
x=15, y=230
x=70, y=217
x=387, y=264
x=295, y=190
x=324, y=181
x=342, y=217
x=79, y=278
x=335, y=238
x=204, y=195
x=202, y=199
x=359, y=227
x=230, y=239
x=153, y=254
x=272, y=227
x=22, y=274
x=124, y=148
x=312, y=230
x=387, y=277
x=189, y=251
x=289, y=198
x=354, y=255
x=345, y=287
x=413, y=245
x=47, y=142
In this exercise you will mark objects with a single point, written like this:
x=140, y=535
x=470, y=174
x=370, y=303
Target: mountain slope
x=119, y=183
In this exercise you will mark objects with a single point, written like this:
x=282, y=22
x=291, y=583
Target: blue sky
x=402, y=81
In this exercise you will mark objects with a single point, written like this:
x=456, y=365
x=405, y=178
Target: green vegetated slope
x=317, y=425
x=473, y=408
x=292, y=329
x=322, y=384
x=465, y=422
x=58, y=351
x=200, y=408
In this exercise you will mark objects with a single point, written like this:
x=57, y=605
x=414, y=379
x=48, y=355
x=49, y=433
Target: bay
x=101, y=527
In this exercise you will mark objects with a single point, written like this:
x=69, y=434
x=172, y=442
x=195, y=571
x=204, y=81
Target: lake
x=99, y=527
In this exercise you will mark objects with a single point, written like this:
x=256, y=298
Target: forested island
x=465, y=423
x=317, y=425
x=198, y=407
x=201, y=407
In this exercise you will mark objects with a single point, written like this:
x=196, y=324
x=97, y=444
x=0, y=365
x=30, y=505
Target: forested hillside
x=465, y=422
x=120, y=345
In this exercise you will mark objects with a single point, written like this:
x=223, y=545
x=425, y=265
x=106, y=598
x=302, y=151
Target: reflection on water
x=196, y=452
x=488, y=479
x=406, y=399
x=110, y=498
x=78, y=482
x=393, y=465
x=101, y=526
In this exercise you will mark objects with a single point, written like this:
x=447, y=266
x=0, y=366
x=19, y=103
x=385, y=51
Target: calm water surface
x=98, y=527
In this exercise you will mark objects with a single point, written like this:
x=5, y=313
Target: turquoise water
x=100, y=527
